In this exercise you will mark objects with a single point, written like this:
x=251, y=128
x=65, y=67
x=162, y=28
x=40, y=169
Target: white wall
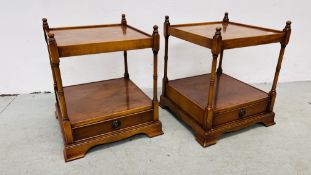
x=24, y=59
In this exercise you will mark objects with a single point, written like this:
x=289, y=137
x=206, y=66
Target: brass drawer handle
x=116, y=124
x=242, y=113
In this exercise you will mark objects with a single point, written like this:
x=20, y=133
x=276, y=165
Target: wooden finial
x=44, y=20
x=287, y=29
x=166, y=25
x=226, y=18
x=155, y=30
x=124, y=24
x=217, y=42
x=218, y=31
x=123, y=20
x=51, y=37
x=167, y=19
x=288, y=25
x=45, y=24
x=156, y=39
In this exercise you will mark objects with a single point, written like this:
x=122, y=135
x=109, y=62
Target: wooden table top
x=229, y=92
x=96, y=34
x=233, y=34
x=82, y=40
x=99, y=101
x=229, y=31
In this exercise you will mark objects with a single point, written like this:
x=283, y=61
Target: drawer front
x=240, y=113
x=185, y=104
x=112, y=125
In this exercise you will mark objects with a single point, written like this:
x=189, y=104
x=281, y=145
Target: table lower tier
x=104, y=100
x=235, y=105
x=88, y=136
x=232, y=100
x=207, y=137
x=103, y=112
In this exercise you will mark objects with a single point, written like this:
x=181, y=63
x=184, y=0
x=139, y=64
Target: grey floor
x=31, y=143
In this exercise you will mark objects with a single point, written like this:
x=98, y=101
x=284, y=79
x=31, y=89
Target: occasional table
x=216, y=103
x=105, y=111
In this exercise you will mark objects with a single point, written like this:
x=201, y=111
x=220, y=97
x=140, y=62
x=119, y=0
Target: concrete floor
x=31, y=143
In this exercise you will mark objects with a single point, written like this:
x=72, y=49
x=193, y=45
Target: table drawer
x=112, y=125
x=240, y=113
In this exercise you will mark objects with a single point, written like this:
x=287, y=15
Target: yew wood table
x=216, y=103
x=106, y=111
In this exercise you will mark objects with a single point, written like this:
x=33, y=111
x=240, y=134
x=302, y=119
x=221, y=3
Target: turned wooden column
x=46, y=29
x=53, y=50
x=124, y=23
x=155, y=49
x=225, y=24
x=284, y=42
x=216, y=48
x=166, y=36
x=219, y=69
x=126, y=74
